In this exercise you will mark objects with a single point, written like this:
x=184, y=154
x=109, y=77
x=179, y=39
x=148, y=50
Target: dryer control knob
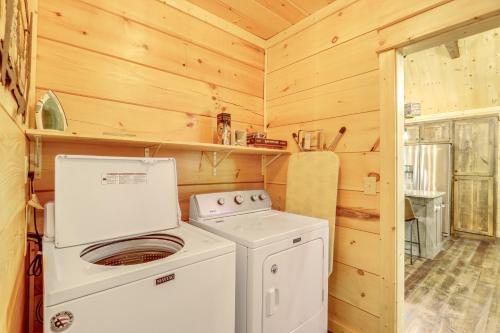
x=254, y=197
x=221, y=201
x=262, y=197
x=239, y=199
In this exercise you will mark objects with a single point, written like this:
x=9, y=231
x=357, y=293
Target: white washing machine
x=118, y=259
x=281, y=261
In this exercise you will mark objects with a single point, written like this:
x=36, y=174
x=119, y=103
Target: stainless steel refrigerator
x=429, y=167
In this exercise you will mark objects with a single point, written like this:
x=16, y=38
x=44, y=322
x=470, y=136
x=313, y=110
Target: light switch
x=370, y=184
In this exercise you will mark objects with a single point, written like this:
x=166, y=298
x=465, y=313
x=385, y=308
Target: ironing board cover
x=311, y=189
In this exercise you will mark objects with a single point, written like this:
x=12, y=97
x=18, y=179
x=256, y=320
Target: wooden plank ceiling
x=264, y=18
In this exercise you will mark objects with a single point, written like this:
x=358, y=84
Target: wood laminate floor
x=458, y=291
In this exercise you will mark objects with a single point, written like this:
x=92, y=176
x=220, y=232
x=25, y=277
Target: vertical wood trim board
x=12, y=223
x=330, y=75
x=391, y=198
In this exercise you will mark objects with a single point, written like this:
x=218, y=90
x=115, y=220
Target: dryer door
x=293, y=283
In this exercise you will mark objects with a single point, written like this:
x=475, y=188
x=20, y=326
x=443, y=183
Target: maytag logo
x=165, y=279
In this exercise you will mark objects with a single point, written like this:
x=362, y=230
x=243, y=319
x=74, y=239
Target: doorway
x=447, y=150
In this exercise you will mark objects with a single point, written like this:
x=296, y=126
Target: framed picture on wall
x=15, y=48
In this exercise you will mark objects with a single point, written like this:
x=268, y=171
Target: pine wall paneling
x=67, y=22
x=327, y=76
x=450, y=16
x=12, y=219
x=13, y=189
x=349, y=318
x=149, y=70
x=471, y=81
x=348, y=23
x=184, y=26
x=75, y=71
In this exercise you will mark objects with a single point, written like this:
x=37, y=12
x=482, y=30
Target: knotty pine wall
x=142, y=68
x=12, y=217
x=327, y=76
x=442, y=84
x=13, y=196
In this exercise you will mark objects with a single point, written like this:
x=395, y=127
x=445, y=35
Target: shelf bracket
x=213, y=161
x=147, y=150
x=37, y=157
x=266, y=164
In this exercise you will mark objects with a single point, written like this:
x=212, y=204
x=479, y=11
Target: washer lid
x=257, y=229
x=102, y=198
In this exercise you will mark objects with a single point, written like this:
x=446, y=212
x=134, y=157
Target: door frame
x=391, y=94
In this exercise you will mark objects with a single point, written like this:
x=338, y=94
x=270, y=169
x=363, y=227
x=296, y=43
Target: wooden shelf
x=55, y=136
x=151, y=147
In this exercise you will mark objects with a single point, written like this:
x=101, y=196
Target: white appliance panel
x=212, y=205
x=201, y=298
x=290, y=298
x=101, y=198
x=255, y=281
x=261, y=228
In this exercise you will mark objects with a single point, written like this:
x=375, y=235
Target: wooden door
x=473, y=205
x=475, y=147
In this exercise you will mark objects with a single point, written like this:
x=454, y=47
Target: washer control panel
x=210, y=205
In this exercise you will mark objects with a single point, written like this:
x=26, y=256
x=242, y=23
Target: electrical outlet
x=370, y=185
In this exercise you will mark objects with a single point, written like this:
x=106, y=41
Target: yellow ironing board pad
x=311, y=189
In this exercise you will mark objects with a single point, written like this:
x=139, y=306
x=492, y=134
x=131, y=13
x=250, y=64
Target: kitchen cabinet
x=475, y=147
x=436, y=132
x=474, y=205
x=412, y=134
x=428, y=209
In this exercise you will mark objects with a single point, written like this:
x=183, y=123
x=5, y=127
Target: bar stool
x=410, y=218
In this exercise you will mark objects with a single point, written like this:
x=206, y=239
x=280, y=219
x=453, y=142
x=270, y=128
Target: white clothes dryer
x=281, y=261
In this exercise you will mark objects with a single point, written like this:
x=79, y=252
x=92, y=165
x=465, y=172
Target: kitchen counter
x=423, y=194
x=427, y=206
